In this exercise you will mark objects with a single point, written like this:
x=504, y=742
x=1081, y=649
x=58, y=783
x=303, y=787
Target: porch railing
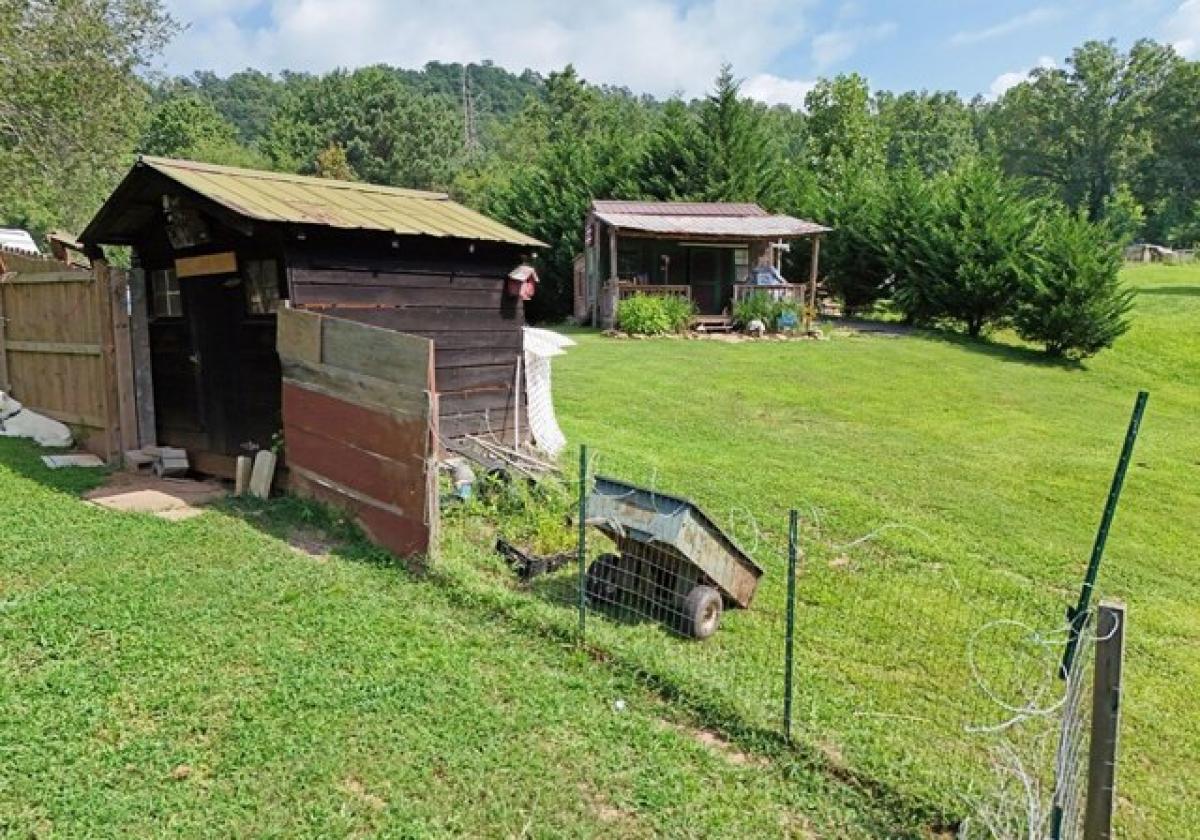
x=627, y=288
x=792, y=292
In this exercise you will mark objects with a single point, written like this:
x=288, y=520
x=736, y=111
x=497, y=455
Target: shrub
x=764, y=307
x=654, y=315
x=1073, y=301
x=680, y=312
x=758, y=305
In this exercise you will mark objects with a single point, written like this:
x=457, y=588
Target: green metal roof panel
x=301, y=199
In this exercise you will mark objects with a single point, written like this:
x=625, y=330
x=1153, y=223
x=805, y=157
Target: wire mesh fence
x=708, y=605
x=702, y=604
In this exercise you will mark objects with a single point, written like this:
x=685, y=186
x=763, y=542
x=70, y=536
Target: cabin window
x=164, y=292
x=741, y=265
x=262, y=287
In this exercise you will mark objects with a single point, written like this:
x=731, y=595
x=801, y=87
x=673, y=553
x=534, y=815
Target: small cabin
x=216, y=251
x=698, y=250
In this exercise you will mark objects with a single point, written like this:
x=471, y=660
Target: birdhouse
x=522, y=282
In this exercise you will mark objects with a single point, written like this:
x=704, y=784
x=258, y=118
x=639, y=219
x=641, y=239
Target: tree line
x=1103, y=149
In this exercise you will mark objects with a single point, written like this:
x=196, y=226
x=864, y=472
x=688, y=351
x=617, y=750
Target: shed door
x=216, y=374
x=359, y=424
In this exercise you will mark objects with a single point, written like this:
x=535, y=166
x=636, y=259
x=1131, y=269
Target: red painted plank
x=354, y=425
x=400, y=482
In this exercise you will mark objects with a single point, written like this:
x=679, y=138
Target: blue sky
x=665, y=46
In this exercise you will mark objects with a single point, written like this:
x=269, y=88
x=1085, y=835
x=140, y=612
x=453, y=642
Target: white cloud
x=775, y=90
x=836, y=45
x=656, y=46
x=1026, y=20
x=1002, y=83
x=1182, y=29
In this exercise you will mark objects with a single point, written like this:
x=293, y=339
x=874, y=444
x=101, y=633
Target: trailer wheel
x=602, y=579
x=702, y=612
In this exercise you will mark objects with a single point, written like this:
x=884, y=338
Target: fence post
x=583, y=481
x=789, y=638
x=1106, y=720
x=1076, y=615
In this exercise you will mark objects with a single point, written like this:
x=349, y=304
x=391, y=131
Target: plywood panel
x=358, y=424
x=379, y=353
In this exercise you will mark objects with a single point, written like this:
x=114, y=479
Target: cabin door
x=707, y=272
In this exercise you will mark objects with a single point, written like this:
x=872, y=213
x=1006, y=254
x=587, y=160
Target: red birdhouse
x=522, y=282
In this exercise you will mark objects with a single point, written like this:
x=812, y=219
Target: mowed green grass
x=203, y=678
x=981, y=469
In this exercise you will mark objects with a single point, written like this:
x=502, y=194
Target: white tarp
x=540, y=347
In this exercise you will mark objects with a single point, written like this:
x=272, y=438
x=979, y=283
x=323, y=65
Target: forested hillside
x=1112, y=135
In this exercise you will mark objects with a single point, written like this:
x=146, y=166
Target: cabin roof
x=709, y=219
x=279, y=197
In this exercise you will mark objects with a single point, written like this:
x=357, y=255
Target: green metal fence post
x=788, y=658
x=1077, y=614
x=583, y=481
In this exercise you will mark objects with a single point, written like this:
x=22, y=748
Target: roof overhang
x=712, y=226
x=255, y=196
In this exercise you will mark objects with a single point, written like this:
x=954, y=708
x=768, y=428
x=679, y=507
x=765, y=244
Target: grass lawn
x=983, y=468
x=205, y=678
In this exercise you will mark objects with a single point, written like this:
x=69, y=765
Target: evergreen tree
x=675, y=160
x=742, y=157
x=1073, y=302
x=964, y=248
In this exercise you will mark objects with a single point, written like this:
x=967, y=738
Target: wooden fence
x=63, y=339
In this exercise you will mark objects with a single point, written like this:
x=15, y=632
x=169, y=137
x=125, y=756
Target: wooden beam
x=811, y=310
x=139, y=345
x=123, y=358
x=224, y=262
x=20, y=278
x=108, y=353
x=59, y=347
x=612, y=252
x=1106, y=720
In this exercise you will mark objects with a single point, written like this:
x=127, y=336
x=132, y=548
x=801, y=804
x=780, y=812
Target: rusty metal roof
x=675, y=218
x=299, y=199
x=679, y=208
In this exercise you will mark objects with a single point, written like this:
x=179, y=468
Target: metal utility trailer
x=674, y=564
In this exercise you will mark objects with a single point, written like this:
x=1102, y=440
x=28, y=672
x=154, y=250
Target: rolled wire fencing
x=1042, y=752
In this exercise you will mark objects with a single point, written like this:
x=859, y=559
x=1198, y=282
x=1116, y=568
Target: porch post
x=810, y=311
x=611, y=291
x=595, y=278
x=612, y=252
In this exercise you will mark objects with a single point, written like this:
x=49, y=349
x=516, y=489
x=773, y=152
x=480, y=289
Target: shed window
x=262, y=287
x=164, y=290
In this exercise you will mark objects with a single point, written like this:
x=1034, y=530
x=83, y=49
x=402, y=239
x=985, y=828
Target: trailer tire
x=702, y=612
x=602, y=579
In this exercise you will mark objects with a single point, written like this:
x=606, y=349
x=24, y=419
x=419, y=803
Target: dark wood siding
x=450, y=292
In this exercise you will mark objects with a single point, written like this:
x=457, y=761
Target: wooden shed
x=217, y=251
